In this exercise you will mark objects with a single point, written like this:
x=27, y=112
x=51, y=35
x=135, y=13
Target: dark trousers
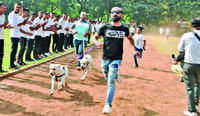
x=22, y=49
x=61, y=41
x=55, y=42
x=70, y=40
x=29, y=48
x=13, y=52
x=80, y=46
x=135, y=57
x=66, y=41
x=37, y=45
x=48, y=42
x=1, y=52
x=42, y=45
x=89, y=38
x=192, y=84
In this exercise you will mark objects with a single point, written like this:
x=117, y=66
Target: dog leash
x=89, y=50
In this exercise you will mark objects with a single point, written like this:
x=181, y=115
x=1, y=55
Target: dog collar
x=60, y=75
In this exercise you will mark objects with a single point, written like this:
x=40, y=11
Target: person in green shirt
x=81, y=29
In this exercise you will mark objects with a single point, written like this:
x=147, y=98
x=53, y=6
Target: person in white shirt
x=15, y=22
x=3, y=24
x=44, y=40
x=31, y=27
x=51, y=22
x=140, y=44
x=190, y=44
x=48, y=28
x=55, y=45
x=62, y=36
x=47, y=34
x=68, y=43
x=23, y=38
x=38, y=36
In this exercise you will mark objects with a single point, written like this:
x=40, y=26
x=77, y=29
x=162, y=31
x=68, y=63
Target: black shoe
x=37, y=58
x=45, y=55
x=23, y=63
x=3, y=71
x=29, y=60
x=14, y=67
x=62, y=50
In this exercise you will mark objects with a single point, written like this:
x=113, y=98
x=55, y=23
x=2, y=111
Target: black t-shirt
x=113, y=40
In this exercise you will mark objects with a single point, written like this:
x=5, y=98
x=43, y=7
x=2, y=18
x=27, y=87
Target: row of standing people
x=34, y=34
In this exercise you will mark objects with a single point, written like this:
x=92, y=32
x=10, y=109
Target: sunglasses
x=116, y=12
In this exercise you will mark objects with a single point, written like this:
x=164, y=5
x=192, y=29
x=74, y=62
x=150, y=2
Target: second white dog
x=58, y=72
x=86, y=65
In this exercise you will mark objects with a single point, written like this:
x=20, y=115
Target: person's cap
x=195, y=22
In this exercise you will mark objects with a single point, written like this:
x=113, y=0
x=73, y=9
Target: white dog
x=86, y=65
x=58, y=72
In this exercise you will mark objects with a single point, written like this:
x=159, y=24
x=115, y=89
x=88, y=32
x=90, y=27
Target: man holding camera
x=190, y=44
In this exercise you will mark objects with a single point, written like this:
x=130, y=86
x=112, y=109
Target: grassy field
x=166, y=46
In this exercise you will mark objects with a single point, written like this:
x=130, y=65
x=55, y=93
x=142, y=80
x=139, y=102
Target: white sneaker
x=107, y=109
x=190, y=113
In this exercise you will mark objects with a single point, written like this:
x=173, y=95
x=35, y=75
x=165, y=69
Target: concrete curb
x=32, y=66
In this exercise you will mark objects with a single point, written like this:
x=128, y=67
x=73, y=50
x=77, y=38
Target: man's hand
x=25, y=21
x=9, y=27
x=74, y=32
x=30, y=34
x=85, y=34
x=98, y=44
x=5, y=24
x=29, y=22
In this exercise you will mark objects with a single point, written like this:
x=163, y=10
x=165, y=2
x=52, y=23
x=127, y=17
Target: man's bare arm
x=131, y=40
x=144, y=47
x=4, y=25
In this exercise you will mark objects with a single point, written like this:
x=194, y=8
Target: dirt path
x=150, y=90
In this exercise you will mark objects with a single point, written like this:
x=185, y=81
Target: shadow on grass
x=7, y=107
x=33, y=94
x=83, y=98
x=99, y=80
x=156, y=69
x=147, y=112
x=35, y=74
x=123, y=99
x=80, y=82
x=32, y=82
x=130, y=76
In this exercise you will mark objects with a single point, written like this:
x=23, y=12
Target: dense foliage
x=142, y=11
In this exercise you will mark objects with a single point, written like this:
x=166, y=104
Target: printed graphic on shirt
x=114, y=34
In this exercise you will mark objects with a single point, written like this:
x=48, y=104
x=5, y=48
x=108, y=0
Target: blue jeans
x=111, y=71
x=79, y=49
x=13, y=52
x=135, y=57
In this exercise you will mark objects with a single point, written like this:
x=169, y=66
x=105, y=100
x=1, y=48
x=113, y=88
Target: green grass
x=163, y=45
x=7, y=49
